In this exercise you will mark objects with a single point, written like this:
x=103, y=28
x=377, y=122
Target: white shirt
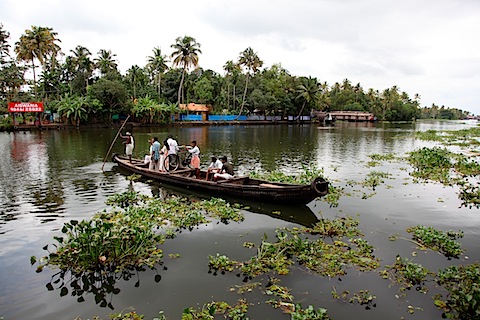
x=172, y=146
x=194, y=151
x=216, y=165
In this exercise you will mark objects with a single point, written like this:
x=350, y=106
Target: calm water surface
x=49, y=178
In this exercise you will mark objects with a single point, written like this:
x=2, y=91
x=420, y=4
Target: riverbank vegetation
x=86, y=88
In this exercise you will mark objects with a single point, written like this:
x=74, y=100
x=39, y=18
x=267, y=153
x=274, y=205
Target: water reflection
x=102, y=284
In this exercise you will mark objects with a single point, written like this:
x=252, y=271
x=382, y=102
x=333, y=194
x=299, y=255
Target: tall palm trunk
x=34, y=81
x=300, y=113
x=244, y=96
x=181, y=85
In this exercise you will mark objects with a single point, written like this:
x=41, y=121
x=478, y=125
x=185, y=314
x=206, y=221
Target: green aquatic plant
x=128, y=238
x=221, y=262
x=382, y=157
x=406, y=273
x=208, y=311
x=306, y=176
x=105, y=244
x=437, y=240
x=469, y=194
x=374, y=179
x=466, y=167
x=309, y=313
x=325, y=258
x=463, y=286
x=429, y=135
x=333, y=196
x=126, y=199
x=362, y=297
x=431, y=164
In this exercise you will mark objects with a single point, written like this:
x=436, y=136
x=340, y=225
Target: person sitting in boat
x=148, y=156
x=129, y=144
x=226, y=172
x=214, y=167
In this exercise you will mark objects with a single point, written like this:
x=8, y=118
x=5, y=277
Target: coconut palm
x=37, y=44
x=307, y=91
x=133, y=75
x=83, y=64
x=157, y=64
x=250, y=60
x=230, y=68
x=106, y=61
x=185, y=55
x=4, y=46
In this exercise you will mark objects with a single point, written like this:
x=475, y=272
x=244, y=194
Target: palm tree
x=307, y=91
x=185, y=55
x=106, y=61
x=83, y=64
x=133, y=74
x=38, y=43
x=157, y=64
x=4, y=46
x=229, y=68
x=250, y=60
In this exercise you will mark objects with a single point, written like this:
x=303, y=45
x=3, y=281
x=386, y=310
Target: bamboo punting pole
x=111, y=146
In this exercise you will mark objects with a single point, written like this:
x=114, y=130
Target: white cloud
x=430, y=47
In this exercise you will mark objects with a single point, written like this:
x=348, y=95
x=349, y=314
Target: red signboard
x=25, y=107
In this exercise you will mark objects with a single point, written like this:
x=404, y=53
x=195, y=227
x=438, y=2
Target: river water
x=50, y=177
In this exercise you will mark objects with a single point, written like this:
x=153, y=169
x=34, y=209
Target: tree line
x=88, y=88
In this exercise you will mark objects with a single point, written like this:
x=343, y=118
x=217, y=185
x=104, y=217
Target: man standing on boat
x=226, y=172
x=172, y=145
x=155, y=154
x=172, y=148
x=129, y=144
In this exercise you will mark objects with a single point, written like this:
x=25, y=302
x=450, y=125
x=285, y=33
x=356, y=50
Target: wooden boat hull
x=241, y=187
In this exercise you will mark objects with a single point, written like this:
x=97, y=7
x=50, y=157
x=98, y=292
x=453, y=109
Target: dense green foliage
x=245, y=87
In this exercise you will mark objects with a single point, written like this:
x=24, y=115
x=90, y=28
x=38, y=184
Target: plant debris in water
x=437, y=240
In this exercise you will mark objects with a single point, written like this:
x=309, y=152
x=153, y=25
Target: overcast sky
x=429, y=47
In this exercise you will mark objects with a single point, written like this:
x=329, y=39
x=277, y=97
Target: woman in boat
x=163, y=155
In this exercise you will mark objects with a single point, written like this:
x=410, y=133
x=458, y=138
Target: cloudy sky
x=429, y=47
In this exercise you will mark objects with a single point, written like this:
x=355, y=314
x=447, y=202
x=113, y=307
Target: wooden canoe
x=241, y=187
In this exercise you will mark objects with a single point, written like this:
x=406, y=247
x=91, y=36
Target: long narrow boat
x=241, y=187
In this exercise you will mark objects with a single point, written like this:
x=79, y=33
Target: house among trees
x=195, y=111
